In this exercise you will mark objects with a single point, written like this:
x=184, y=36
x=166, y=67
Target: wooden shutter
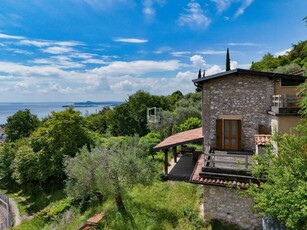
x=239, y=130
x=219, y=133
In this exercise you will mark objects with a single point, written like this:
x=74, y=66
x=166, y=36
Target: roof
x=262, y=139
x=298, y=72
x=250, y=72
x=189, y=136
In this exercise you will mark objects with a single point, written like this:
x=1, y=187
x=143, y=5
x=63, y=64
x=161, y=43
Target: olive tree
x=109, y=171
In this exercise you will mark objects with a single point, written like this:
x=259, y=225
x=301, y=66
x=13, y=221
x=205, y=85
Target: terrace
x=284, y=104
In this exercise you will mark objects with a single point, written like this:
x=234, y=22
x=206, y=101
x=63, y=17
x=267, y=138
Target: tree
x=99, y=122
x=227, y=60
x=63, y=135
x=20, y=125
x=199, y=73
x=109, y=171
x=190, y=123
x=130, y=118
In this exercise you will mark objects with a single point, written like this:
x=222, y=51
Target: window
x=288, y=82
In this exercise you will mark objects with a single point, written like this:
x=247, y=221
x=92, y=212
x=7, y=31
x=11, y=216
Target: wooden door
x=232, y=134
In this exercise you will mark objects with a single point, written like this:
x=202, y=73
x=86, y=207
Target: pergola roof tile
x=189, y=136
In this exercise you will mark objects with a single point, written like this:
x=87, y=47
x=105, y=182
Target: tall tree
x=64, y=134
x=227, y=60
x=21, y=124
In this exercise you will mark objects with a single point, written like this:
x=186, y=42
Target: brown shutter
x=219, y=133
x=239, y=128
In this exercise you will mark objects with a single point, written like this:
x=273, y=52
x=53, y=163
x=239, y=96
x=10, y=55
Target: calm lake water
x=43, y=109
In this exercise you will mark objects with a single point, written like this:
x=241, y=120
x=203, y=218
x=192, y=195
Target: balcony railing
x=285, y=101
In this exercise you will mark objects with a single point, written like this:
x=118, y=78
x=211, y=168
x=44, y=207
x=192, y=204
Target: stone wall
x=248, y=96
x=227, y=204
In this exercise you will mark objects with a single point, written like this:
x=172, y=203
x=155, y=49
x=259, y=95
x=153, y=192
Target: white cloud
x=6, y=36
x=188, y=75
x=243, y=44
x=213, y=70
x=233, y=64
x=94, y=61
x=180, y=53
x=137, y=67
x=148, y=9
x=131, y=40
x=19, y=51
x=222, y=5
x=283, y=52
x=163, y=49
x=242, y=8
x=212, y=52
x=57, y=50
x=198, y=61
x=105, y=4
x=45, y=43
x=125, y=85
x=194, y=17
x=59, y=61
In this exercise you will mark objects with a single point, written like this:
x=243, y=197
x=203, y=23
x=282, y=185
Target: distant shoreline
x=44, y=109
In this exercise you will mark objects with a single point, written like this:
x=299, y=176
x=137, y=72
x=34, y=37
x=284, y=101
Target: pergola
x=190, y=136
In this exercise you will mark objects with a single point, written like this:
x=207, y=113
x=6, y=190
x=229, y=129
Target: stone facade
x=227, y=204
x=246, y=96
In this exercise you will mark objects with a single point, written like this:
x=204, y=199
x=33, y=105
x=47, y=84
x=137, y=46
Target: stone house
x=240, y=109
x=238, y=105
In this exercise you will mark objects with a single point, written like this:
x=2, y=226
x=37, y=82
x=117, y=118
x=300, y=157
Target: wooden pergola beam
x=165, y=161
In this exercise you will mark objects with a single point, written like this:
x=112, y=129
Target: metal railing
x=7, y=217
x=285, y=101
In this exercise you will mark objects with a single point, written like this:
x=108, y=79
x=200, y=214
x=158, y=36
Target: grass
x=163, y=205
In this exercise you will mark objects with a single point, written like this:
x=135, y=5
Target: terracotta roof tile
x=189, y=136
x=195, y=178
x=263, y=139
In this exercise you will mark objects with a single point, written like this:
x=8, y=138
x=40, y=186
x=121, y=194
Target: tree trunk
x=118, y=199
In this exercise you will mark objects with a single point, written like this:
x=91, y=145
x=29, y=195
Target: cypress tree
x=227, y=60
x=199, y=73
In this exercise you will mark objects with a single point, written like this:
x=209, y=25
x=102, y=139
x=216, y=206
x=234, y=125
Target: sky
x=102, y=50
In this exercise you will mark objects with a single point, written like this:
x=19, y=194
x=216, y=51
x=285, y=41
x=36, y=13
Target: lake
x=43, y=109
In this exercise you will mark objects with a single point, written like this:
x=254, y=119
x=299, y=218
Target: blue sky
x=77, y=50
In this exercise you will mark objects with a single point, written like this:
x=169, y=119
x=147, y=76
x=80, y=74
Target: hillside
x=291, y=61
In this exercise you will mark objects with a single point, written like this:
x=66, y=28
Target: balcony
x=284, y=104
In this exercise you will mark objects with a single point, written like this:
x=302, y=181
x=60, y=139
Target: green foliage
x=287, y=68
x=189, y=106
x=174, y=97
x=293, y=60
x=108, y=171
x=130, y=118
x=21, y=124
x=61, y=135
x=190, y=123
x=150, y=141
x=284, y=194
x=99, y=122
x=28, y=166
x=55, y=209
